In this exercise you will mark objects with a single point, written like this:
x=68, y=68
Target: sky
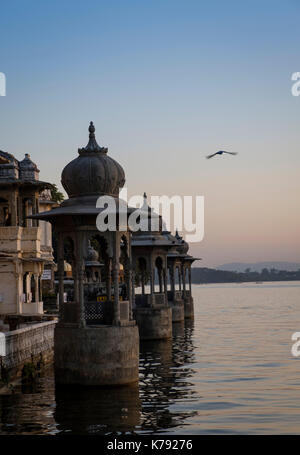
x=166, y=83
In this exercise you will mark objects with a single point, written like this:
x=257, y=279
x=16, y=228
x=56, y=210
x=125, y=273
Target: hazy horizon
x=167, y=83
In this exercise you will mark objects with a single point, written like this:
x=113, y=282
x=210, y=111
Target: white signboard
x=47, y=274
x=2, y=344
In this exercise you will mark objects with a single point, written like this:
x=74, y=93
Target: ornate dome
x=28, y=169
x=92, y=172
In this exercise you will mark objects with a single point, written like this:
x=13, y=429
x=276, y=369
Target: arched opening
x=96, y=270
x=141, y=275
x=5, y=215
x=178, y=277
x=159, y=273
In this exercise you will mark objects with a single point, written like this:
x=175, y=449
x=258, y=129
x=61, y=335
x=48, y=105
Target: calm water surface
x=228, y=371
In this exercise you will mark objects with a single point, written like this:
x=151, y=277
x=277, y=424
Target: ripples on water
x=229, y=371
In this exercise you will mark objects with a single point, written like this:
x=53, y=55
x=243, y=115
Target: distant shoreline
x=206, y=276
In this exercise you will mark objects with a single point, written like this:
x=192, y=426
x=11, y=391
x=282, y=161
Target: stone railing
x=96, y=313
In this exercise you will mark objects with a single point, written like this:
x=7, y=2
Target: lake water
x=230, y=371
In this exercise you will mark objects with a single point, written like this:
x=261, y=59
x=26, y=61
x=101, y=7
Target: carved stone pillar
x=151, y=284
x=183, y=270
x=108, y=279
x=116, y=267
x=179, y=278
x=40, y=289
x=81, y=268
x=36, y=288
x=132, y=292
x=165, y=285
x=160, y=281
x=60, y=269
x=172, y=279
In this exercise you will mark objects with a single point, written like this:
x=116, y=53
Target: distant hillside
x=204, y=275
x=258, y=266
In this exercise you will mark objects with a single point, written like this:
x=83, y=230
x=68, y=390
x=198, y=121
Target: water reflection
x=147, y=407
x=165, y=367
x=29, y=409
x=97, y=410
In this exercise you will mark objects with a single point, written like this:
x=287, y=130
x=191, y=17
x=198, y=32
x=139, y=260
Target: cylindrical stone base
x=96, y=356
x=177, y=311
x=189, y=308
x=154, y=323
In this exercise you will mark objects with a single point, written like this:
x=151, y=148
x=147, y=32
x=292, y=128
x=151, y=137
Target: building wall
x=16, y=244
x=30, y=344
x=8, y=287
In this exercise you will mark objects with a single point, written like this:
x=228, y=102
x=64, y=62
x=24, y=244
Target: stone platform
x=96, y=355
x=155, y=323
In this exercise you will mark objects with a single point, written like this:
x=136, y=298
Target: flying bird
x=220, y=152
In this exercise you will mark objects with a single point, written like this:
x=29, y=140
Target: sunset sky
x=166, y=83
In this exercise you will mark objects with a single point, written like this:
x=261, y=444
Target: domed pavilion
x=96, y=339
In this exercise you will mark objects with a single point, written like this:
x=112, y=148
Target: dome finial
x=145, y=195
x=92, y=130
x=92, y=145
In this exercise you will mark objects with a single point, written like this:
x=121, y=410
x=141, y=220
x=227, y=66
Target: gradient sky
x=166, y=83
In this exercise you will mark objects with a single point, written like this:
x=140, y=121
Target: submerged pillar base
x=155, y=323
x=189, y=308
x=177, y=310
x=96, y=356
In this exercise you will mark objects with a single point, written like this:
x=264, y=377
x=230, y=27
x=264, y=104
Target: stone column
x=183, y=279
x=132, y=291
x=60, y=267
x=129, y=291
x=35, y=209
x=81, y=267
x=76, y=281
x=116, y=269
x=108, y=279
x=40, y=289
x=13, y=209
x=160, y=281
x=151, y=283
x=165, y=285
x=128, y=278
x=190, y=281
x=19, y=284
x=172, y=278
x=179, y=277
x=36, y=288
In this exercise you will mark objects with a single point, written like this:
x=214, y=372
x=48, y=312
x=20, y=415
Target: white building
x=25, y=244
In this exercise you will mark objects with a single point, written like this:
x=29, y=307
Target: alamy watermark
x=184, y=213
x=296, y=346
x=296, y=86
x=2, y=84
